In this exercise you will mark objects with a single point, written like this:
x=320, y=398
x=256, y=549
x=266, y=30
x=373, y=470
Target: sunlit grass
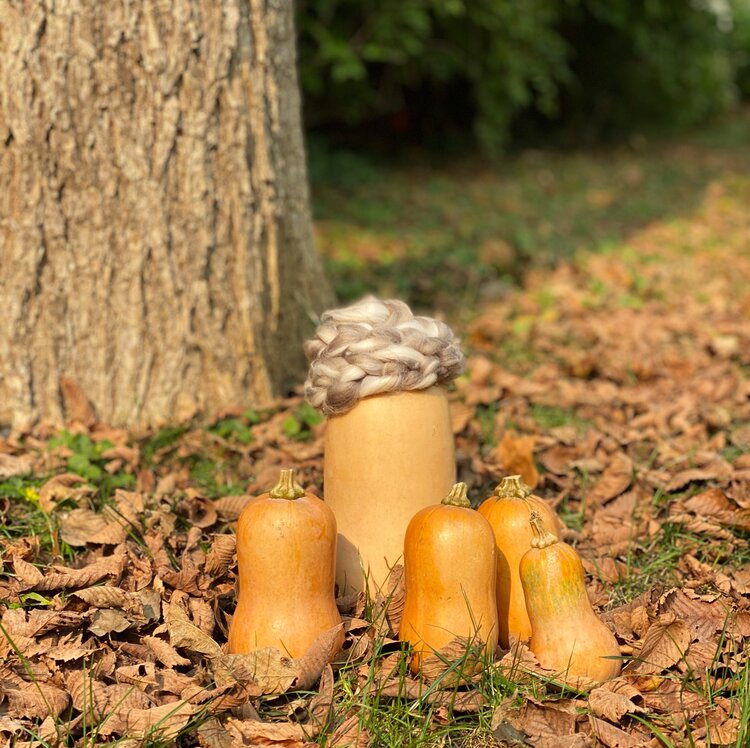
x=452, y=235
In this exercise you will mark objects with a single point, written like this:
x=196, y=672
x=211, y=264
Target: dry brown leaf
x=89, y=695
x=43, y=621
x=252, y=732
x=35, y=700
x=613, y=737
x=665, y=644
x=202, y=614
x=184, y=634
x=163, y=722
x=456, y=662
x=78, y=408
x=703, y=619
x=81, y=526
x=11, y=465
x=11, y=726
x=516, y=455
x=458, y=702
x=107, y=620
x=165, y=652
x=62, y=487
x=676, y=697
x=199, y=511
x=130, y=505
x=389, y=603
x=221, y=554
x=610, y=704
x=230, y=507
x=694, y=475
x=349, y=734
x=399, y=687
x=461, y=416
x=104, y=596
x=212, y=734
x=558, y=459
x=741, y=580
x=63, y=578
x=712, y=502
x=322, y=703
x=319, y=654
x=540, y=723
x=27, y=573
x=262, y=671
x=616, y=478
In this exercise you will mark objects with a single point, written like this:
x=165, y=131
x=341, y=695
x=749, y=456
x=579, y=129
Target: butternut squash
x=566, y=634
x=449, y=575
x=286, y=557
x=385, y=459
x=508, y=511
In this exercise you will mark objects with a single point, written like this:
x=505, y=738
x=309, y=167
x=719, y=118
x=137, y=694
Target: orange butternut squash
x=449, y=574
x=385, y=459
x=508, y=511
x=286, y=557
x=566, y=634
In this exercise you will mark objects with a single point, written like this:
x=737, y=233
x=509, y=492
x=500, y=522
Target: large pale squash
x=380, y=375
x=385, y=459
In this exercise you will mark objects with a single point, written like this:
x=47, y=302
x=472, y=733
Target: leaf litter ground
x=616, y=384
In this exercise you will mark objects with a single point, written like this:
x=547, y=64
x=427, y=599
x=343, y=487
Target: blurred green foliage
x=600, y=66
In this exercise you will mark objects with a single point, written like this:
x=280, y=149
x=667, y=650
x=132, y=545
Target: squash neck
x=458, y=496
x=512, y=487
x=543, y=538
x=287, y=487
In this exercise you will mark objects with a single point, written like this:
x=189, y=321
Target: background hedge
x=506, y=71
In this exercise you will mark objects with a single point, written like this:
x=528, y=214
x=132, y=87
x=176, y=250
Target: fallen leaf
x=456, y=662
x=253, y=732
x=108, y=620
x=322, y=703
x=262, y=671
x=319, y=654
x=559, y=459
x=220, y=556
x=349, y=734
x=62, y=487
x=665, y=644
x=616, y=478
x=11, y=465
x=81, y=526
x=165, y=652
x=516, y=455
x=613, y=737
x=611, y=704
x=186, y=635
x=104, y=596
x=64, y=578
x=77, y=406
x=212, y=734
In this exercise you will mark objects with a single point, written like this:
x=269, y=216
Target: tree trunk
x=155, y=236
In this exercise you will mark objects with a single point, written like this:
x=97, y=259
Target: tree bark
x=155, y=236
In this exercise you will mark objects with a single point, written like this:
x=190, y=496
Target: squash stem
x=543, y=538
x=287, y=487
x=512, y=487
x=458, y=496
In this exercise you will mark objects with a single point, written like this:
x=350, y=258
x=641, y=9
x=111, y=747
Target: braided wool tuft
x=373, y=347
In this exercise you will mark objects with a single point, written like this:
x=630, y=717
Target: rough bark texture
x=155, y=237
